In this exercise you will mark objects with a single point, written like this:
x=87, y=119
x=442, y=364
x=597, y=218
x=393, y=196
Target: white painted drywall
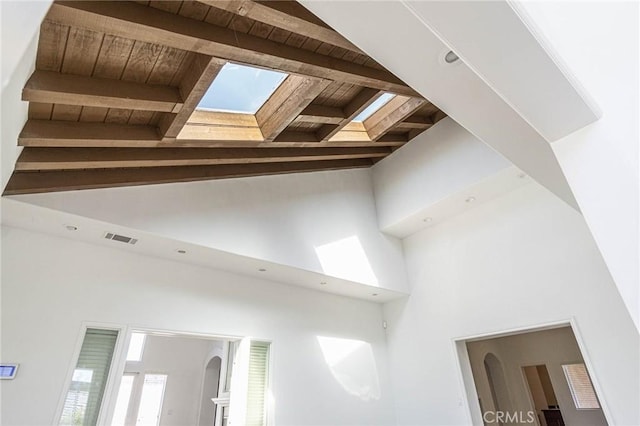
x=599, y=41
x=19, y=30
x=436, y=164
x=553, y=348
x=521, y=260
x=455, y=88
x=182, y=359
x=51, y=284
x=284, y=219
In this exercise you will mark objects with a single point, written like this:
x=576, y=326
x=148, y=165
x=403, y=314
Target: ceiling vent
x=121, y=238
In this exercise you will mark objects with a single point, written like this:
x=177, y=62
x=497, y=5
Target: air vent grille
x=121, y=238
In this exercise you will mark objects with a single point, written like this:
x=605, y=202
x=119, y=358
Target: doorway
x=532, y=377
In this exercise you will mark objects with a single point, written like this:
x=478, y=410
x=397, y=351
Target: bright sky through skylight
x=242, y=89
x=376, y=105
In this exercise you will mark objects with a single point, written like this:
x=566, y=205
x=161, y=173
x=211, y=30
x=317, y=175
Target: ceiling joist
x=66, y=89
x=101, y=158
x=267, y=13
x=68, y=180
x=132, y=20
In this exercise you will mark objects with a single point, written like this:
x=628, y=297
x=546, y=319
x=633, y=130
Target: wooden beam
x=45, y=133
x=360, y=102
x=287, y=102
x=103, y=158
x=146, y=24
x=65, y=133
x=193, y=86
x=66, y=89
x=415, y=122
x=22, y=182
x=267, y=13
x=393, y=112
x=321, y=114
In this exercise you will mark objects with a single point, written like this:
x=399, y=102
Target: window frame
x=571, y=388
x=105, y=404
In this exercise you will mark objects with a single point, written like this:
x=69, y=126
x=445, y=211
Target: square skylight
x=376, y=105
x=241, y=89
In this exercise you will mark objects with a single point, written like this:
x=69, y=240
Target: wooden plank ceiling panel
x=114, y=98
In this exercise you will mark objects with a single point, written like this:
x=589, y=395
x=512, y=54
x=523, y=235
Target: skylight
x=241, y=89
x=376, y=105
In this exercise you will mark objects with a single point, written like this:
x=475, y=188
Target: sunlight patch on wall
x=346, y=259
x=352, y=364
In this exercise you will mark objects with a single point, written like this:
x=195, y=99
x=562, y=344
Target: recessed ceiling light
x=262, y=270
x=470, y=200
x=427, y=219
x=71, y=227
x=522, y=175
x=450, y=57
x=374, y=294
x=323, y=283
x=181, y=251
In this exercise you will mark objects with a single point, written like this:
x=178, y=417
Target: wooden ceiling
x=113, y=99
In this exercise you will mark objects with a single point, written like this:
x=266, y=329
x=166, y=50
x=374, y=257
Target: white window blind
x=584, y=396
x=82, y=404
x=258, y=381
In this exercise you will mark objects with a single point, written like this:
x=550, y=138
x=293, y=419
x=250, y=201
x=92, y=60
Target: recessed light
x=470, y=200
x=262, y=270
x=181, y=251
x=71, y=227
x=450, y=57
x=374, y=294
x=427, y=219
x=323, y=283
x=522, y=175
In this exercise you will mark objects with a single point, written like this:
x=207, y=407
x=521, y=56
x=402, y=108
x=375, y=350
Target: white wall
x=519, y=261
x=553, y=348
x=599, y=41
x=442, y=161
x=183, y=360
x=50, y=285
x=281, y=219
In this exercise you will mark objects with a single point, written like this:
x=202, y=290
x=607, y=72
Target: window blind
x=258, y=380
x=584, y=396
x=83, y=400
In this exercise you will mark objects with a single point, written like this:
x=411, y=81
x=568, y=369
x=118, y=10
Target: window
x=151, y=399
x=84, y=397
x=375, y=105
x=241, y=89
x=122, y=402
x=258, y=382
x=584, y=396
x=136, y=347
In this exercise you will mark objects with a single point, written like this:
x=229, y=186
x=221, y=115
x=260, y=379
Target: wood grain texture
x=155, y=26
x=102, y=158
x=269, y=13
x=51, y=87
x=23, y=182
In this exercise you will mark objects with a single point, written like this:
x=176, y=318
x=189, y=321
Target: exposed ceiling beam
x=361, y=101
x=49, y=181
x=268, y=14
x=415, y=122
x=66, y=89
x=45, y=133
x=293, y=95
x=102, y=158
x=391, y=113
x=135, y=21
x=193, y=86
x=321, y=114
